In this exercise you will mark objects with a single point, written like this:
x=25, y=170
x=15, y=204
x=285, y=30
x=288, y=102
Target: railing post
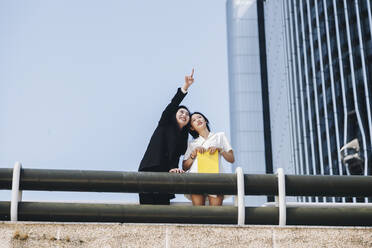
x=240, y=196
x=16, y=193
x=281, y=196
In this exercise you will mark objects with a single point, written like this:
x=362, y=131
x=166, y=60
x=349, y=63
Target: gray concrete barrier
x=32, y=234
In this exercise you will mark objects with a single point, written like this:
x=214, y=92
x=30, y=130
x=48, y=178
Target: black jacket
x=168, y=142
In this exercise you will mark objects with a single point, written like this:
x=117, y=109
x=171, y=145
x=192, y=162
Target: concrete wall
x=29, y=234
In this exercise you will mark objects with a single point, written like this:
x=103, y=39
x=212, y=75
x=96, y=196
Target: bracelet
x=192, y=157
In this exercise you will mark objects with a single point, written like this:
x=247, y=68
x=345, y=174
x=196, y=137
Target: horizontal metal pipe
x=137, y=182
x=76, y=212
x=6, y=176
x=130, y=182
x=187, y=183
x=342, y=216
x=300, y=185
x=320, y=205
x=260, y=184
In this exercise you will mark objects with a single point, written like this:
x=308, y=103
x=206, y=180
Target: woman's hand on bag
x=176, y=170
x=213, y=149
x=196, y=150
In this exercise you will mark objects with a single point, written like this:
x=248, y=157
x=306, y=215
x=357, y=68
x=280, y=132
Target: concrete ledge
x=42, y=234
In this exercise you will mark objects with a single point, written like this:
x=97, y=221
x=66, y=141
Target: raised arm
x=189, y=80
x=171, y=108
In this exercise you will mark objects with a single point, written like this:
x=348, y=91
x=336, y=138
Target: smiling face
x=182, y=117
x=198, y=123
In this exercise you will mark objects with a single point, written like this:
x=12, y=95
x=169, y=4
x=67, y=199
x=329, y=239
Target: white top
x=183, y=90
x=218, y=140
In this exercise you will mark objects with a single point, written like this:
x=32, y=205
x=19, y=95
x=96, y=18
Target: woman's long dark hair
x=194, y=133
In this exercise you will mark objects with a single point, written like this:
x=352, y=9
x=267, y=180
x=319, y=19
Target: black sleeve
x=171, y=108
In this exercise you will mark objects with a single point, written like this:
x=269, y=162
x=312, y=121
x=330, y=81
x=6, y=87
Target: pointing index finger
x=192, y=72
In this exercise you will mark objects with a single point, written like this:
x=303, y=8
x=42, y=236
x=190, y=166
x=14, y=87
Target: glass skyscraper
x=329, y=52
x=319, y=70
x=246, y=107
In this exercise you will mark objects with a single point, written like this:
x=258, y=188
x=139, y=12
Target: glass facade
x=329, y=68
x=319, y=70
x=277, y=72
x=246, y=111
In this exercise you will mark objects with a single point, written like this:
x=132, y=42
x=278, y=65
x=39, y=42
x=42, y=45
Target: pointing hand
x=189, y=80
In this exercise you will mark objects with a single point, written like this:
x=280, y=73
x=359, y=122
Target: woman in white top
x=205, y=141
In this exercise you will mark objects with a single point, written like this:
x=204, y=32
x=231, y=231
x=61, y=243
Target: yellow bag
x=208, y=163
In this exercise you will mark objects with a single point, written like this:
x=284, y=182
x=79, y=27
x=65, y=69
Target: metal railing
x=240, y=184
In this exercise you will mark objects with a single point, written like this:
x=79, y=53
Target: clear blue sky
x=83, y=83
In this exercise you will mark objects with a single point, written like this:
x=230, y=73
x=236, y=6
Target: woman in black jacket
x=168, y=143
